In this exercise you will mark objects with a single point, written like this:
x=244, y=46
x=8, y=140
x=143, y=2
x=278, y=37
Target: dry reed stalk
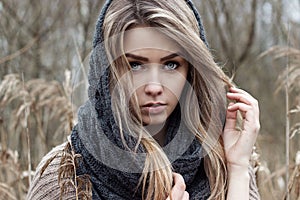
x=295, y=130
x=26, y=114
x=287, y=123
x=266, y=189
x=68, y=88
x=67, y=179
x=67, y=175
x=294, y=181
x=293, y=71
x=264, y=177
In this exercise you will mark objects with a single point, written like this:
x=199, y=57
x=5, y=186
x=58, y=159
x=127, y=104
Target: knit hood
x=114, y=171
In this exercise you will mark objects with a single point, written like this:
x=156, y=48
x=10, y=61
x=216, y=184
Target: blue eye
x=135, y=65
x=172, y=65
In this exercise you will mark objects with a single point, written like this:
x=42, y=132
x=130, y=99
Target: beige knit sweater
x=45, y=184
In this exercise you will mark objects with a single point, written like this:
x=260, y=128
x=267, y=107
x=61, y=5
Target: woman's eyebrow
x=173, y=55
x=136, y=57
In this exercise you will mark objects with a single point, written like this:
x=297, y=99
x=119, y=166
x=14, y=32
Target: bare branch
x=214, y=9
x=19, y=52
x=251, y=34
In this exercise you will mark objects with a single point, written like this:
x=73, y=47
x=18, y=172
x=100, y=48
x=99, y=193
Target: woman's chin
x=154, y=120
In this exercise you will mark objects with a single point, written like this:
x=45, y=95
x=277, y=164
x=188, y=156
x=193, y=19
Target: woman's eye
x=135, y=65
x=171, y=65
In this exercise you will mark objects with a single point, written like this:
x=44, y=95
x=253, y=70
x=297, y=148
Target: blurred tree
x=231, y=28
x=44, y=38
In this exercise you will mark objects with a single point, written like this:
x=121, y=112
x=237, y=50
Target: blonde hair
x=175, y=19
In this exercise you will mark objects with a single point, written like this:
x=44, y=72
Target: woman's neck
x=158, y=132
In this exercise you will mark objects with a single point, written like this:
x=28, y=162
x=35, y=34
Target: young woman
x=157, y=124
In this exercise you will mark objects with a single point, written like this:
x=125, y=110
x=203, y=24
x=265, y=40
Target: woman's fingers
x=246, y=104
x=237, y=90
x=179, y=187
x=178, y=191
x=231, y=117
x=186, y=196
x=242, y=96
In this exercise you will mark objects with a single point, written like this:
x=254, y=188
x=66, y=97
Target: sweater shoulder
x=45, y=183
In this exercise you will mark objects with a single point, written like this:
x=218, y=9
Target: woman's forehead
x=142, y=37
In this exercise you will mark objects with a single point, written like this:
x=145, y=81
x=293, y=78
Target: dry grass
x=35, y=116
x=292, y=56
x=67, y=175
x=294, y=182
x=11, y=182
x=272, y=184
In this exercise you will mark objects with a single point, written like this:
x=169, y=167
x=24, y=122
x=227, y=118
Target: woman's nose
x=153, y=89
x=153, y=86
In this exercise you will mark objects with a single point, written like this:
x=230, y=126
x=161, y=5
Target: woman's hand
x=178, y=191
x=239, y=143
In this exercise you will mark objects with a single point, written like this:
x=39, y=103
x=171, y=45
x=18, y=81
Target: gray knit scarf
x=114, y=170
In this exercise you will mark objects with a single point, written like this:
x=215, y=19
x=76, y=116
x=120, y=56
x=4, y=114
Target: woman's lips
x=153, y=108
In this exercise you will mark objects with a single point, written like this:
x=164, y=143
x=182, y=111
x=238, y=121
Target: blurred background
x=44, y=52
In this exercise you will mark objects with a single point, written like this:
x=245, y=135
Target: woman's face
x=159, y=72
